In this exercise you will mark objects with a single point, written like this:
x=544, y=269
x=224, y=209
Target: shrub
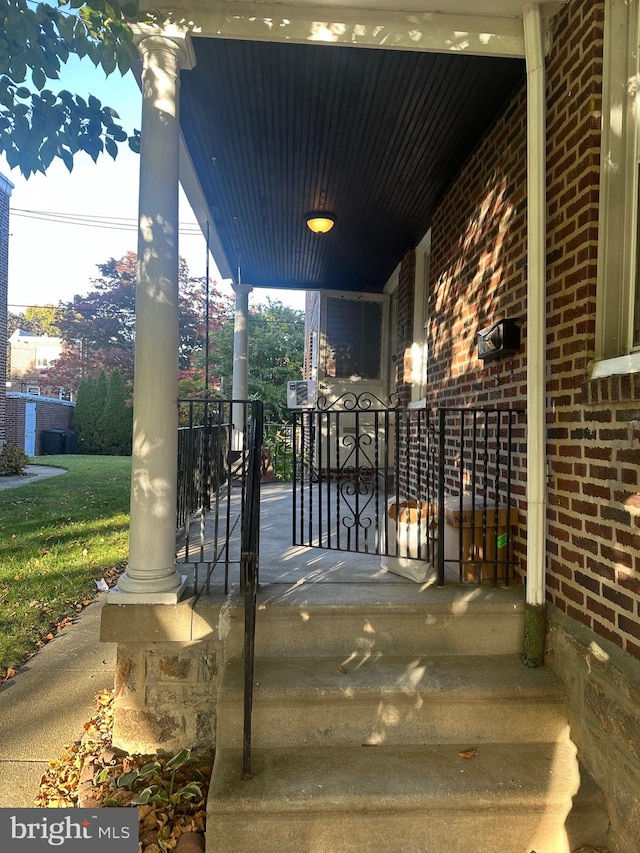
x=13, y=461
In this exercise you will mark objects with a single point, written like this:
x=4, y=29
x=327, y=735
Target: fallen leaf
x=10, y=672
x=468, y=753
x=341, y=669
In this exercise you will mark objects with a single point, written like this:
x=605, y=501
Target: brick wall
x=50, y=414
x=478, y=275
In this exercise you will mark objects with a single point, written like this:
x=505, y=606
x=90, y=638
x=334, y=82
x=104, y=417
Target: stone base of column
x=171, y=596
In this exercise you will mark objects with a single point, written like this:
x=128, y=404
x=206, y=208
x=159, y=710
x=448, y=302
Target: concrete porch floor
x=290, y=573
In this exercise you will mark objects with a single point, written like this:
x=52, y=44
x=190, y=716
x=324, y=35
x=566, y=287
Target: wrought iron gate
x=408, y=484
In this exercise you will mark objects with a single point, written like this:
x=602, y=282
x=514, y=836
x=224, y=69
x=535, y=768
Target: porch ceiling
x=373, y=136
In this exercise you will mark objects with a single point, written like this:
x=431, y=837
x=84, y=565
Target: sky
x=63, y=224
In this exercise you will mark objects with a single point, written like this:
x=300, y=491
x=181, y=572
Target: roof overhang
x=278, y=118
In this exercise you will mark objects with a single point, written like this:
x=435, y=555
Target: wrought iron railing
x=478, y=493
x=250, y=543
x=408, y=484
x=213, y=469
x=219, y=472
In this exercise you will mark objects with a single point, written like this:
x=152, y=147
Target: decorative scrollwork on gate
x=352, y=402
x=355, y=482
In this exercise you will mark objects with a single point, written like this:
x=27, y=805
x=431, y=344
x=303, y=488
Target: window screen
x=354, y=339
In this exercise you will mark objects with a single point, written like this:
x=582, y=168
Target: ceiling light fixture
x=320, y=222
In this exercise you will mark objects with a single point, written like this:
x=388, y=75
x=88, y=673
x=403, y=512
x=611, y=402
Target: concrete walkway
x=46, y=704
x=34, y=473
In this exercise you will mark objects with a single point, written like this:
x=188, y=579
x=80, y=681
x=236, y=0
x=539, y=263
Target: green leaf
x=39, y=78
x=178, y=760
x=134, y=142
x=104, y=775
x=192, y=790
x=66, y=24
x=111, y=147
x=152, y=767
x=127, y=779
x=143, y=797
x=18, y=69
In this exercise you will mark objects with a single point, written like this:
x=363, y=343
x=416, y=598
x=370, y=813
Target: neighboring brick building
x=5, y=192
x=29, y=415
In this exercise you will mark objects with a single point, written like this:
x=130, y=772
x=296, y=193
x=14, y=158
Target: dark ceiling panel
x=373, y=136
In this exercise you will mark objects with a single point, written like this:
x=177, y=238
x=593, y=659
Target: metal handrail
x=250, y=542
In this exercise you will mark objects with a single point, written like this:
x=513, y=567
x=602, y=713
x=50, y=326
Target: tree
x=38, y=320
x=84, y=416
x=103, y=321
x=103, y=417
x=43, y=320
x=37, y=125
x=116, y=423
x=275, y=353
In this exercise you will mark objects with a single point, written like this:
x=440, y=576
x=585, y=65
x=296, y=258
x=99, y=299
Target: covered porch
x=380, y=188
x=323, y=651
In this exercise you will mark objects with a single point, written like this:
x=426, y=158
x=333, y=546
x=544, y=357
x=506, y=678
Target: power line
x=187, y=315
x=87, y=220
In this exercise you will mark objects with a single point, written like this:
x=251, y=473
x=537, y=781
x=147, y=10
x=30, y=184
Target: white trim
x=617, y=366
x=617, y=222
x=419, y=347
x=536, y=279
x=484, y=35
x=193, y=190
x=393, y=281
x=330, y=384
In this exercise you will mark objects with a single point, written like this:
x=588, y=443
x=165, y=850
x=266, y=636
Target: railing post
x=249, y=569
x=441, y=493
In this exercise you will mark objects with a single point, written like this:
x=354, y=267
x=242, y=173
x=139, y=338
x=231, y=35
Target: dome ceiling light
x=320, y=222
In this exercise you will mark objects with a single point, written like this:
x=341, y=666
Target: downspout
x=535, y=610
x=240, y=381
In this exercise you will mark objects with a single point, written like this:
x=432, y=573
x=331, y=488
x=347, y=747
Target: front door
x=30, y=429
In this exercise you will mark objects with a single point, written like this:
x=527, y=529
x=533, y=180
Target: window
x=618, y=294
x=45, y=356
x=353, y=339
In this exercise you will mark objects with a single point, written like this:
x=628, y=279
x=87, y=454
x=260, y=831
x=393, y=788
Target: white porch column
x=240, y=384
x=151, y=575
x=536, y=336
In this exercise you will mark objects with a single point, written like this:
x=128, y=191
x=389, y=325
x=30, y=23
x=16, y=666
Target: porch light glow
x=320, y=222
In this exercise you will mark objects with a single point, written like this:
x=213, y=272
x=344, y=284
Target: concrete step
x=509, y=798
x=307, y=622
x=381, y=699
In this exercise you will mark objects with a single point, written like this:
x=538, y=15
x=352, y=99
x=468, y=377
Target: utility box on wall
x=500, y=340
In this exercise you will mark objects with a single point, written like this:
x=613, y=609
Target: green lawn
x=57, y=537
